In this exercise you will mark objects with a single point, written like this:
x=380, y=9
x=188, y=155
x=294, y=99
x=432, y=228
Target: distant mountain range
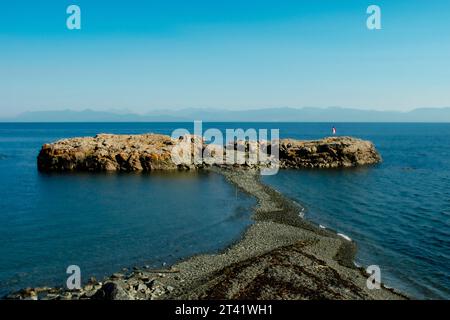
x=331, y=114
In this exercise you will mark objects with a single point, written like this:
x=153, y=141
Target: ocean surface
x=103, y=222
x=398, y=212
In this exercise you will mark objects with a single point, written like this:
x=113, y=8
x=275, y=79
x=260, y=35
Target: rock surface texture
x=147, y=152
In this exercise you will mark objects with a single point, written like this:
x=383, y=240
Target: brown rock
x=147, y=152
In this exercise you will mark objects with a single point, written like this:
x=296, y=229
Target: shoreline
x=278, y=230
x=280, y=247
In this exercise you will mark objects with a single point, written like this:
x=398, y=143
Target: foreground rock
x=147, y=152
x=140, y=284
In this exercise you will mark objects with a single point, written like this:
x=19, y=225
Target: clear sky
x=143, y=55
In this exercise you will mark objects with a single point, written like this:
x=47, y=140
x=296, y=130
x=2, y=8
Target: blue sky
x=143, y=55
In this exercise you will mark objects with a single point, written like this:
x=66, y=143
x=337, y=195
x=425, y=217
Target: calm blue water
x=398, y=211
x=103, y=222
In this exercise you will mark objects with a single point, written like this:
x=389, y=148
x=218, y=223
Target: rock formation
x=147, y=152
x=330, y=152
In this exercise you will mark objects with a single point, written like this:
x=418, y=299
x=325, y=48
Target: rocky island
x=280, y=256
x=147, y=152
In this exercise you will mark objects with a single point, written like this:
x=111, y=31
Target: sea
x=398, y=211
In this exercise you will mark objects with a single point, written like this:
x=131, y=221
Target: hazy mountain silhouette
x=331, y=114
